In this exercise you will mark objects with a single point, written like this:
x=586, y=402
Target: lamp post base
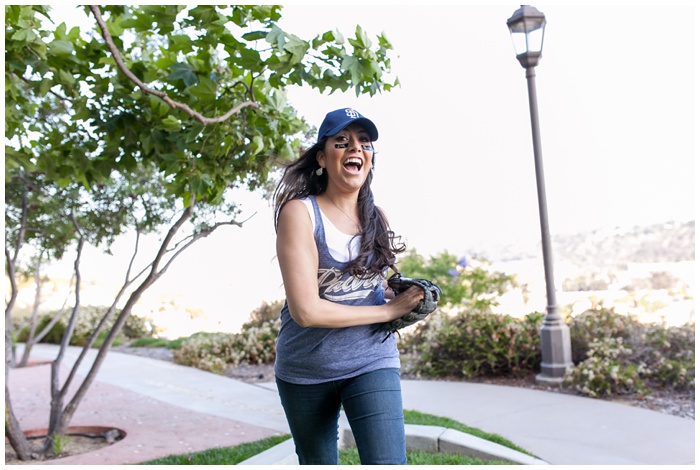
x=555, y=339
x=541, y=379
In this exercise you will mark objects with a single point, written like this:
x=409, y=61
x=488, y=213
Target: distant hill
x=667, y=242
x=660, y=243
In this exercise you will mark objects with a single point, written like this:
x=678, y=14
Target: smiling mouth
x=353, y=164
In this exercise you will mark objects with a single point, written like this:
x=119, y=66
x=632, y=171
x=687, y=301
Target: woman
x=334, y=247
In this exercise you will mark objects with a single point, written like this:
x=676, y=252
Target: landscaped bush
x=139, y=327
x=86, y=322
x=624, y=356
x=255, y=344
x=605, y=372
x=53, y=336
x=667, y=353
x=472, y=344
x=206, y=351
x=266, y=312
x=613, y=354
x=593, y=324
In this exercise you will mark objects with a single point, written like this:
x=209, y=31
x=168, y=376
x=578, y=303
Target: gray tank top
x=317, y=355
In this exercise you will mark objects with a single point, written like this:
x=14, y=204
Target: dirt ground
x=75, y=445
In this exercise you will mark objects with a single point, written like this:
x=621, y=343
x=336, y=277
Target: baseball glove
x=431, y=297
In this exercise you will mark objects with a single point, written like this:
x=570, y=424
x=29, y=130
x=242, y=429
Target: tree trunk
x=61, y=416
x=13, y=431
x=9, y=342
x=11, y=263
x=56, y=428
x=31, y=340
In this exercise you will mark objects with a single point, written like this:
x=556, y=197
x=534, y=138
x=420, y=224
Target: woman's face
x=347, y=157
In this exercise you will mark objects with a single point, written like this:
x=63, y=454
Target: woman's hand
x=403, y=303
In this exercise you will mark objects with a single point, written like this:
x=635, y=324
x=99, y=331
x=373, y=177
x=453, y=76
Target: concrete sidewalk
x=560, y=429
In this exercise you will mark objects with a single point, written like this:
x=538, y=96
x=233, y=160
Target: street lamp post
x=527, y=31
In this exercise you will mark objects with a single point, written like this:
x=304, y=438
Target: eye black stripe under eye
x=341, y=146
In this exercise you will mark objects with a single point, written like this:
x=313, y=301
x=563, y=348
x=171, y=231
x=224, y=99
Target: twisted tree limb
x=158, y=93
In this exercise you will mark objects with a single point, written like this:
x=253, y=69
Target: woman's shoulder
x=296, y=208
x=299, y=203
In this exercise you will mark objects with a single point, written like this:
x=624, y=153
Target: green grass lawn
x=222, y=455
x=157, y=343
x=237, y=454
x=415, y=417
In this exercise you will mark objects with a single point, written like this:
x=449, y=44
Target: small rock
x=112, y=436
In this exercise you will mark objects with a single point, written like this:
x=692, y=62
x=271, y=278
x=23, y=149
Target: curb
x=425, y=438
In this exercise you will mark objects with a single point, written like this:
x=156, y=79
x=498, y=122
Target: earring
x=319, y=172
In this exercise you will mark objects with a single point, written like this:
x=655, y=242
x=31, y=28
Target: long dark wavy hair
x=379, y=245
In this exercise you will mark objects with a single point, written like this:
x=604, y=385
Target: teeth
x=353, y=160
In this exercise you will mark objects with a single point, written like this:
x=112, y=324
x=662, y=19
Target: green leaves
x=201, y=184
x=24, y=35
x=90, y=121
x=463, y=282
x=195, y=106
x=182, y=72
x=61, y=48
x=361, y=40
x=276, y=37
x=171, y=124
x=354, y=66
x=296, y=48
x=205, y=90
x=180, y=43
x=257, y=145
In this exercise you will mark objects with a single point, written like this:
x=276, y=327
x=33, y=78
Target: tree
x=463, y=282
x=190, y=100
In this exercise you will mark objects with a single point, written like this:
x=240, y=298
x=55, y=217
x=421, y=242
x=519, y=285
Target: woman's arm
x=298, y=259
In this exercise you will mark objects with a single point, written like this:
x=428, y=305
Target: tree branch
x=122, y=317
x=190, y=240
x=158, y=93
x=62, y=98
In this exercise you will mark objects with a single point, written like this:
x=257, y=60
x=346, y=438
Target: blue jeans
x=372, y=403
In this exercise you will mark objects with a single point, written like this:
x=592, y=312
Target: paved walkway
x=166, y=409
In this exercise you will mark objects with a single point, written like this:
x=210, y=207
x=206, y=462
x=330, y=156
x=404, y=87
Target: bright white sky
x=455, y=170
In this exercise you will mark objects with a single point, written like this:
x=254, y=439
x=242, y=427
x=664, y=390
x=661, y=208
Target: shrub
x=266, y=312
x=85, y=324
x=668, y=354
x=623, y=356
x=139, y=327
x=613, y=354
x=472, y=344
x=257, y=344
x=53, y=336
x=215, y=352
x=604, y=372
x=88, y=318
x=593, y=324
x=210, y=352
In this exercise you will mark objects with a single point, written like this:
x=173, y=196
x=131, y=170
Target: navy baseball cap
x=339, y=119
